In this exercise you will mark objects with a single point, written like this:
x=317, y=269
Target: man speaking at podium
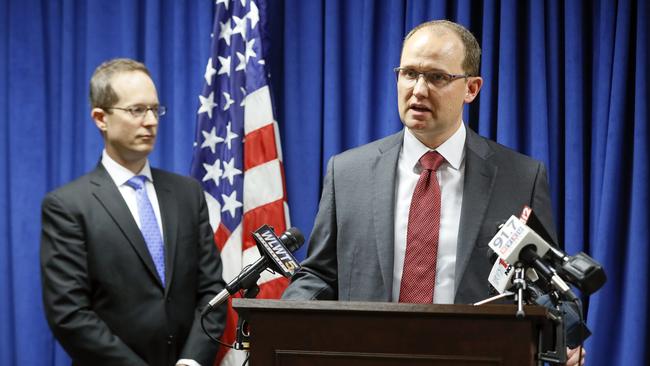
x=408, y=218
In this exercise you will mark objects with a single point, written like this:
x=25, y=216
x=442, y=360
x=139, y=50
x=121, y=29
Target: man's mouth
x=416, y=107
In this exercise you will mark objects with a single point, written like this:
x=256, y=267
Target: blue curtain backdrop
x=565, y=82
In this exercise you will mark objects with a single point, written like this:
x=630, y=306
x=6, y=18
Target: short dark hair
x=472, y=59
x=102, y=94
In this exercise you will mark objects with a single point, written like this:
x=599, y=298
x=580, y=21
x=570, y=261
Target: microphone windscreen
x=293, y=239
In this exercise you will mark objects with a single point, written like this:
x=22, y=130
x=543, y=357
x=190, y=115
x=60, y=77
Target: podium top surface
x=245, y=306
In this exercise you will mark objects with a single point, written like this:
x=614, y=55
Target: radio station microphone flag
x=237, y=154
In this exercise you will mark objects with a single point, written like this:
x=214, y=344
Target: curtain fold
x=564, y=81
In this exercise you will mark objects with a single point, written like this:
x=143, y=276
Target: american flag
x=237, y=154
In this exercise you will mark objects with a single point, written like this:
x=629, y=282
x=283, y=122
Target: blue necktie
x=149, y=225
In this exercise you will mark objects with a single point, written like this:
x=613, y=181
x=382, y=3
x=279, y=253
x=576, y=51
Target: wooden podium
x=314, y=333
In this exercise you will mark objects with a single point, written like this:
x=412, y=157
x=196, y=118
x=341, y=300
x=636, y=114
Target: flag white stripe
x=258, y=111
x=263, y=185
x=231, y=255
x=286, y=214
x=214, y=211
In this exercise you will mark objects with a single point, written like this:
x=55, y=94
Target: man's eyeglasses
x=409, y=77
x=139, y=111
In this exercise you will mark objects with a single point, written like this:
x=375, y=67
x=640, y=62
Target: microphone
x=501, y=279
x=516, y=242
x=528, y=255
x=501, y=275
x=581, y=270
x=275, y=255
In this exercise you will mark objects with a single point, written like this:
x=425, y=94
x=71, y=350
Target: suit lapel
x=109, y=196
x=169, y=216
x=480, y=175
x=385, y=173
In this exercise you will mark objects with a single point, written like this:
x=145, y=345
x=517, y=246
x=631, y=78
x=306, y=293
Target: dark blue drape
x=565, y=82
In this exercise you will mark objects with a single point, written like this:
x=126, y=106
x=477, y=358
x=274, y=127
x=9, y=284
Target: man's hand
x=573, y=355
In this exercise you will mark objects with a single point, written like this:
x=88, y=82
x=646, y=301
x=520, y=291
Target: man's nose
x=150, y=118
x=421, y=88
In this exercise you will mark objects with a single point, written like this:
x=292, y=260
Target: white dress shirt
x=450, y=177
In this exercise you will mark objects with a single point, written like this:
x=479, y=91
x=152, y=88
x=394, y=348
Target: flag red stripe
x=221, y=236
x=273, y=289
x=271, y=214
x=259, y=147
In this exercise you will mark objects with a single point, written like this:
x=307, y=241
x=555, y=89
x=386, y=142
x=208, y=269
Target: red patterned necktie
x=419, y=275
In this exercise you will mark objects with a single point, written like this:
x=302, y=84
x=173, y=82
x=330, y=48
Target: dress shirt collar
x=120, y=174
x=453, y=150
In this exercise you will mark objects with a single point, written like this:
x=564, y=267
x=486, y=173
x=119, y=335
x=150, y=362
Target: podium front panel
x=292, y=333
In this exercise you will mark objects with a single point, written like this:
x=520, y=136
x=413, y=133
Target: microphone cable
x=205, y=314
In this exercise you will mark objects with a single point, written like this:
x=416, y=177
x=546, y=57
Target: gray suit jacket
x=350, y=254
x=102, y=295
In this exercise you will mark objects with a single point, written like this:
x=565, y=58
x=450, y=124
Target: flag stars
x=229, y=171
x=230, y=203
x=225, y=31
x=213, y=171
x=240, y=26
x=210, y=139
x=253, y=15
x=225, y=65
x=242, y=62
x=209, y=72
x=207, y=104
x=249, y=50
x=224, y=2
x=229, y=101
x=230, y=135
x=243, y=98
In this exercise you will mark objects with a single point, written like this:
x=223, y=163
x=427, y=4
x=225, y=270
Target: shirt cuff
x=187, y=362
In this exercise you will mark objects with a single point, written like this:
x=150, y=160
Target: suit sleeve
x=317, y=279
x=66, y=291
x=541, y=202
x=199, y=346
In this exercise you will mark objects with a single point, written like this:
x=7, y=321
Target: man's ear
x=98, y=115
x=473, y=86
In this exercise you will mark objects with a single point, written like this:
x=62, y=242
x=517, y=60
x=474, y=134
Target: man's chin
x=141, y=151
x=416, y=125
x=145, y=144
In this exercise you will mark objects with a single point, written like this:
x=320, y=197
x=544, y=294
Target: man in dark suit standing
x=408, y=218
x=127, y=252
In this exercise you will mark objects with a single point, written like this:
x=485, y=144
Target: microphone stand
x=551, y=350
x=242, y=334
x=520, y=285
